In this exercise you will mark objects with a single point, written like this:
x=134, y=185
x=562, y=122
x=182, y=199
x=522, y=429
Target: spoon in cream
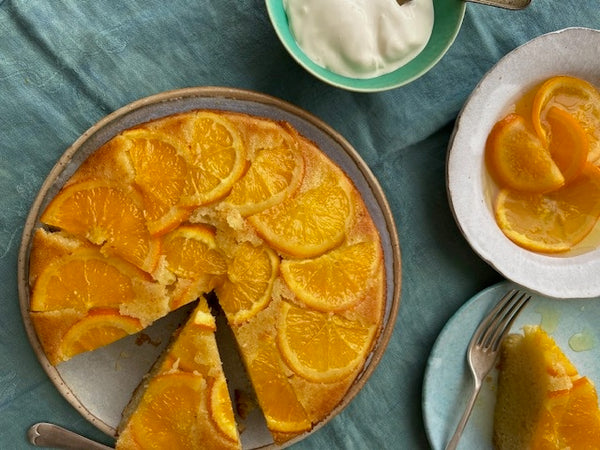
x=506, y=4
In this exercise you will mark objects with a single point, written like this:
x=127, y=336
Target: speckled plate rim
x=448, y=18
x=447, y=381
x=574, y=51
x=229, y=99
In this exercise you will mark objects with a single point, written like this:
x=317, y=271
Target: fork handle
x=465, y=417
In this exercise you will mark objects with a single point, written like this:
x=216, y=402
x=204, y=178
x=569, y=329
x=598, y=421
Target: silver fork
x=484, y=348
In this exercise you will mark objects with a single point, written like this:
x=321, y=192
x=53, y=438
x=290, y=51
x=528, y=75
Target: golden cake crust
x=254, y=187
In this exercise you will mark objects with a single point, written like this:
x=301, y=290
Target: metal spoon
x=49, y=435
x=506, y=4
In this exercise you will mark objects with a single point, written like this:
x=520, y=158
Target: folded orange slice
x=579, y=98
x=518, y=160
x=569, y=144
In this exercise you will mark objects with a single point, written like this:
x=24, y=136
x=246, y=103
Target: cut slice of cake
x=82, y=299
x=542, y=401
x=183, y=402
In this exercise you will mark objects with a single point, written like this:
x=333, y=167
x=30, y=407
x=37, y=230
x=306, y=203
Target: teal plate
x=448, y=17
x=572, y=323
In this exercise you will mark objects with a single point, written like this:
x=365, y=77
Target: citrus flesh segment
x=517, y=159
x=578, y=97
x=311, y=222
x=218, y=159
x=569, y=145
x=250, y=277
x=320, y=346
x=221, y=411
x=580, y=423
x=552, y=222
x=335, y=280
x=191, y=251
x=99, y=328
x=273, y=175
x=167, y=414
x=85, y=280
x=159, y=163
x=281, y=408
x=106, y=216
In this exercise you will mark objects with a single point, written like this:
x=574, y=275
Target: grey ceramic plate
x=98, y=384
x=573, y=324
x=575, y=52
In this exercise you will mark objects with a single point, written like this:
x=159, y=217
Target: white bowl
x=572, y=51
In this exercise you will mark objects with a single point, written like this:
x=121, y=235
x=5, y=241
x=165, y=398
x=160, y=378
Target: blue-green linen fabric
x=66, y=64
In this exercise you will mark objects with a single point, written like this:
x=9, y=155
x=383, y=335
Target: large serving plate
x=447, y=384
x=572, y=51
x=99, y=384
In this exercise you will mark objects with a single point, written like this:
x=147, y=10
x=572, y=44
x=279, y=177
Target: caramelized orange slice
x=85, y=280
x=322, y=347
x=106, y=216
x=335, y=280
x=568, y=143
x=555, y=221
x=167, y=414
x=578, y=97
x=311, y=222
x=250, y=277
x=97, y=329
x=278, y=401
x=159, y=163
x=221, y=411
x=273, y=175
x=580, y=424
x=218, y=159
x=191, y=251
x=518, y=160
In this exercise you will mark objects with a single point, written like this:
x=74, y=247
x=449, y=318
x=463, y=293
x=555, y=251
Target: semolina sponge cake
x=226, y=203
x=542, y=401
x=183, y=402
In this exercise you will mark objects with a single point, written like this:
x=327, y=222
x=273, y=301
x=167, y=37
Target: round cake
x=240, y=207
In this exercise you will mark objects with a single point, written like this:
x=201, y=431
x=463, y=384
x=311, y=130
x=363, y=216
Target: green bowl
x=448, y=17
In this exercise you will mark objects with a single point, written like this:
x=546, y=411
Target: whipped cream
x=360, y=38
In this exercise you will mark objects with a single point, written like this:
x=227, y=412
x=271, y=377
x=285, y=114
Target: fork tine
x=508, y=320
x=479, y=335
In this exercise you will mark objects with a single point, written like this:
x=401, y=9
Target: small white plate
x=448, y=383
x=572, y=51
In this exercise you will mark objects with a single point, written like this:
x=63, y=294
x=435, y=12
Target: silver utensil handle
x=464, y=419
x=49, y=435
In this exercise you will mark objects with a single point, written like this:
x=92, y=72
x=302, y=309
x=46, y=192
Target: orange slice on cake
x=320, y=346
x=311, y=222
x=218, y=158
x=107, y=216
x=250, y=277
x=273, y=175
x=336, y=280
x=160, y=165
x=99, y=328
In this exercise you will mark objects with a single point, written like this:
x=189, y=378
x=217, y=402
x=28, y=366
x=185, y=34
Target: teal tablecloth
x=66, y=64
